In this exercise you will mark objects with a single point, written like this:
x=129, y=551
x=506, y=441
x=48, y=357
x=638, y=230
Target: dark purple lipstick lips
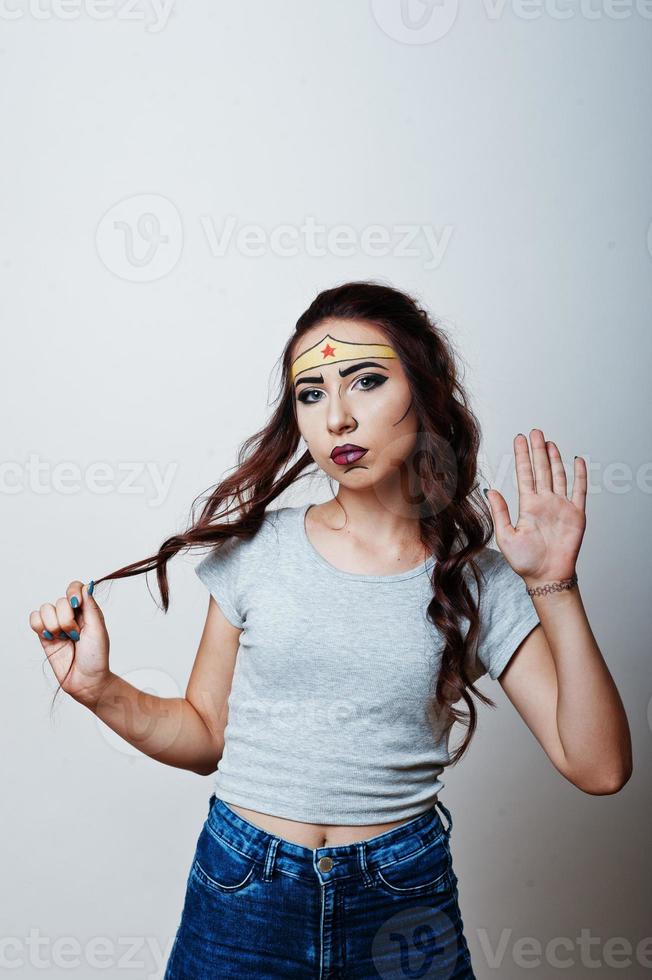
x=348, y=453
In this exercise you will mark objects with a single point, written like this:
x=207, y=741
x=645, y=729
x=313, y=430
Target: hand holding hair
x=74, y=637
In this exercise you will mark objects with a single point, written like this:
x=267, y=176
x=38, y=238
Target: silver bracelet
x=567, y=583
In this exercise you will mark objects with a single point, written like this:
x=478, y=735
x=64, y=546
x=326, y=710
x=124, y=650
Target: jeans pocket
x=425, y=870
x=220, y=866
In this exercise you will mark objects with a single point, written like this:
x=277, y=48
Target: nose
x=339, y=416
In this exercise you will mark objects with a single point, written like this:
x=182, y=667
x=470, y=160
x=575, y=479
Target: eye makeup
x=378, y=381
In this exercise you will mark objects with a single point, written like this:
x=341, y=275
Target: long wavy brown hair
x=455, y=522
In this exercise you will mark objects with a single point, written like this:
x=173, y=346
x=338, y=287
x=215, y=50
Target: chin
x=359, y=477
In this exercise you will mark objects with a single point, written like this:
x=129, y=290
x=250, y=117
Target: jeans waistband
x=328, y=863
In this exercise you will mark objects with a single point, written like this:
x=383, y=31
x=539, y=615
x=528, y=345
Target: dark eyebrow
x=319, y=379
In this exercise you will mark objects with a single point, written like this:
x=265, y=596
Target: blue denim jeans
x=258, y=906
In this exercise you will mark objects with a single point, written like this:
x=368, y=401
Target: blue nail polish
x=74, y=602
x=74, y=635
x=63, y=636
x=91, y=587
x=48, y=635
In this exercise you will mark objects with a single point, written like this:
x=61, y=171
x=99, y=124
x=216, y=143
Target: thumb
x=499, y=512
x=93, y=615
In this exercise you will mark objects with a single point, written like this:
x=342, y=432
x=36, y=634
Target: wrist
x=550, y=584
x=91, y=697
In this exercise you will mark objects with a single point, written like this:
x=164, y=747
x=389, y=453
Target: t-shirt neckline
x=355, y=576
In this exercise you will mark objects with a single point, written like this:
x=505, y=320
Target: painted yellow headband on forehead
x=328, y=350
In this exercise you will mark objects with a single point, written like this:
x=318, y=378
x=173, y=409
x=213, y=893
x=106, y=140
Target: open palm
x=545, y=542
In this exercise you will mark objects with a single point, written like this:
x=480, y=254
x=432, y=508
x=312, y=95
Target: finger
x=56, y=645
x=524, y=477
x=66, y=617
x=499, y=512
x=557, y=467
x=48, y=615
x=580, y=482
x=93, y=615
x=38, y=626
x=542, y=471
x=74, y=594
x=35, y=621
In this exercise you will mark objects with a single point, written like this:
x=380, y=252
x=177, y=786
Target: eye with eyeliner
x=379, y=380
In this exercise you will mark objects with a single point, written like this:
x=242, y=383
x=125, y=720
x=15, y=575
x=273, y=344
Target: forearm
x=169, y=730
x=591, y=720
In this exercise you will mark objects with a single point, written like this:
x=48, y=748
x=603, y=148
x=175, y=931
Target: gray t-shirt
x=328, y=718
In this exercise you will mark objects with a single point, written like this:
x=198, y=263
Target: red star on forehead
x=328, y=351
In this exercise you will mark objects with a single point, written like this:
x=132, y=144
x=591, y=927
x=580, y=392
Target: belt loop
x=211, y=801
x=447, y=814
x=362, y=862
x=270, y=856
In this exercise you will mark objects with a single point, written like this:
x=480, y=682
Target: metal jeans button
x=325, y=864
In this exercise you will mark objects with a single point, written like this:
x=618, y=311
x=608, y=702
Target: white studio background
x=178, y=182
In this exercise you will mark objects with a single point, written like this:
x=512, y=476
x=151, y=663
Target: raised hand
x=74, y=626
x=544, y=545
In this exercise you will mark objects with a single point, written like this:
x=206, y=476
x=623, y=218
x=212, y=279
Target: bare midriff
x=314, y=834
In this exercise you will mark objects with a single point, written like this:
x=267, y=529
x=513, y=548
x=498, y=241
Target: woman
x=339, y=638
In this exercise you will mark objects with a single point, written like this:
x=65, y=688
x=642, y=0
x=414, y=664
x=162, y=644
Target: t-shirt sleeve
x=507, y=615
x=219, y=573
